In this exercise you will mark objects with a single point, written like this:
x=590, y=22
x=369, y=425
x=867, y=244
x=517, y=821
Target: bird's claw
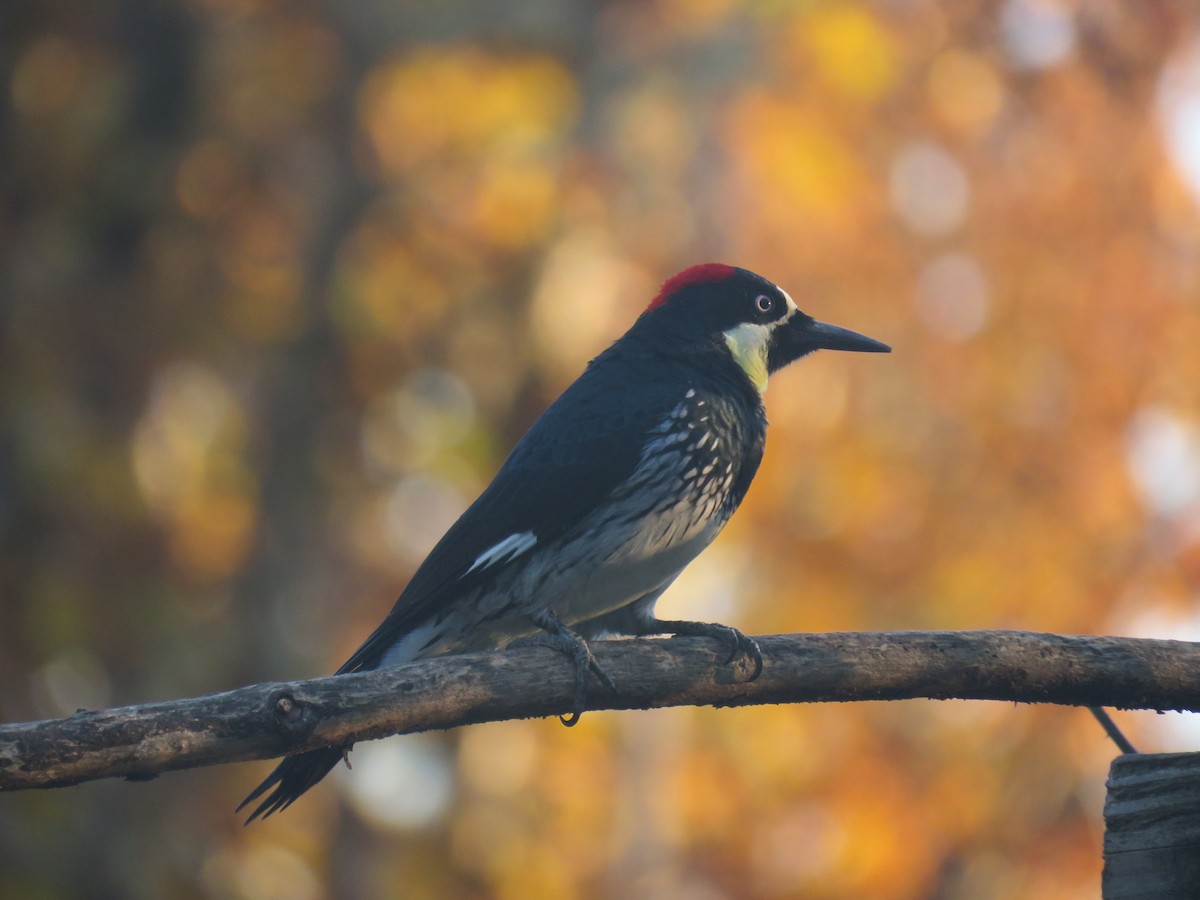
x=740, y=645
x=584, y=661
x=598, y=671
x=557, y=636
x=747, y=648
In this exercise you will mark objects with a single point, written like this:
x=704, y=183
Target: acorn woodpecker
x=618, y=486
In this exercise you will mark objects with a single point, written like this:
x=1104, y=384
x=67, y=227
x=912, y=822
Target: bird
x=617, y=486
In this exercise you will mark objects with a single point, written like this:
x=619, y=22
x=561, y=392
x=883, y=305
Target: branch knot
x=294, y=718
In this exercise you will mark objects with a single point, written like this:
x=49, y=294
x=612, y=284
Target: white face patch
x=750, y=342
x=792, y=307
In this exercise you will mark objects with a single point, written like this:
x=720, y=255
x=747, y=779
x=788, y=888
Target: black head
x=756, y=321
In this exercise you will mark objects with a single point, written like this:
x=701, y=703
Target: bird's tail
x=291, y=778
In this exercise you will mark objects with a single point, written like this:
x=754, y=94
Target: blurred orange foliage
x=283, y=283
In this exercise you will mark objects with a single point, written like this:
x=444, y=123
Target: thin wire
x=1111, y=729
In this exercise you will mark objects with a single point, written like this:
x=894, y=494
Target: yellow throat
x=748, y=343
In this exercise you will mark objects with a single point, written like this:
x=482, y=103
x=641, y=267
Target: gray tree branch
x=267, y=720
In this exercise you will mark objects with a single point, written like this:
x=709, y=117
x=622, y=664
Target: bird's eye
x=763, y=303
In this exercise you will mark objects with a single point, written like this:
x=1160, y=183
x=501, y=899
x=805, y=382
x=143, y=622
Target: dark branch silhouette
x=273, y=719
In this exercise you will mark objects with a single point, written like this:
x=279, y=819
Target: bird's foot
x=557, y=636
x=738, y=643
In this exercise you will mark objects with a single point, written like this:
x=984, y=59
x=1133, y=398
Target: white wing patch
x=509, y=548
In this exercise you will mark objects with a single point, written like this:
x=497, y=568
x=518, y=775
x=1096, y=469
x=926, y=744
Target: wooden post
x=1152, y=833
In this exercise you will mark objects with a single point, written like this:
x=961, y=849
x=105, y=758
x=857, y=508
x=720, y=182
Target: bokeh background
x=281, y=283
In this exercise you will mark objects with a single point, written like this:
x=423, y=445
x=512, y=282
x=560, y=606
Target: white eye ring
x=763, y=303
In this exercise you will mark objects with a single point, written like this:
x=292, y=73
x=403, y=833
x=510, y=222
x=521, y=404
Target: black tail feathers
x=291, y=778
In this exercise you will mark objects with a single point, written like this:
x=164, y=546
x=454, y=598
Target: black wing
x=586, y=444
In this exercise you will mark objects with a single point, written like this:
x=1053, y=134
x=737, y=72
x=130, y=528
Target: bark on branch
x=266, y=720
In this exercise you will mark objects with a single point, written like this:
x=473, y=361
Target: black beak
x=802, y=335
